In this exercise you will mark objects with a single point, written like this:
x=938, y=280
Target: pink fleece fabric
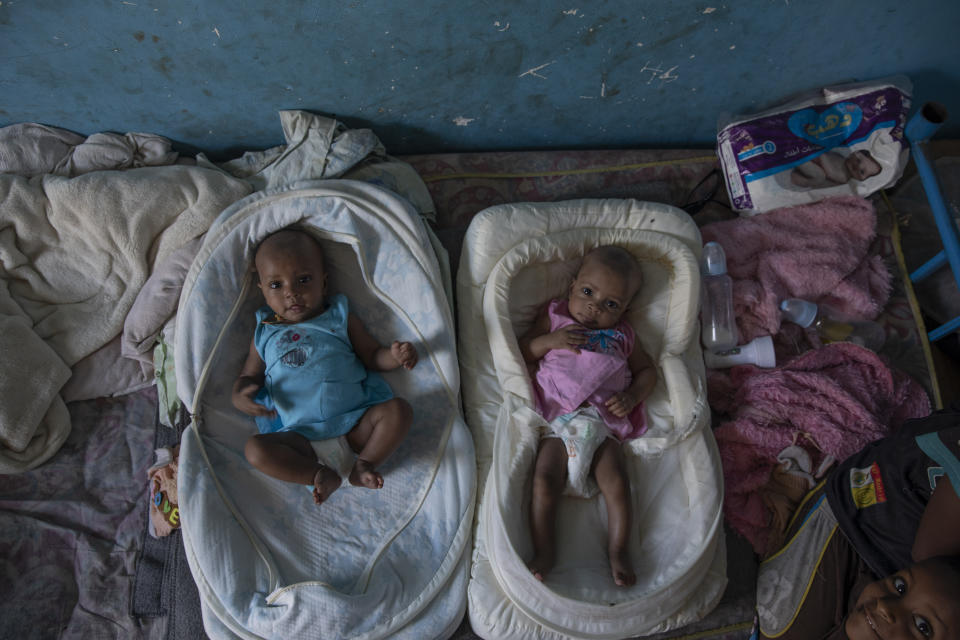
x=818, y=252
x=831, y=401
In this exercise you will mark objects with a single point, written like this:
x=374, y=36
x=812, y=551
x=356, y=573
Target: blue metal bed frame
x=919, y=129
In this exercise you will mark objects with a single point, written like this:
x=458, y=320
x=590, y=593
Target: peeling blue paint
x=440, y=76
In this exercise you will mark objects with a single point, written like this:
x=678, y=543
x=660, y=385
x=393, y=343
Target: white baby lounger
x=365, y=564
x=515, y=258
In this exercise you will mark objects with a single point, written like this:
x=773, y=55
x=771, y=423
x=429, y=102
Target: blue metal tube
x=944, y=330
x=929, y=267
x=918, y=130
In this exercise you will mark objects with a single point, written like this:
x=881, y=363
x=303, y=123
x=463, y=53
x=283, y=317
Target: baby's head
x=861, y=165
x=921, y=601
x=608, y=278
x=291, y=275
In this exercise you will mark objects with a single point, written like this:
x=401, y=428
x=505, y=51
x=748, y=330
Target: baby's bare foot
x=622, y=569
x=325, y=482
x=364, y=475
x=541, y=564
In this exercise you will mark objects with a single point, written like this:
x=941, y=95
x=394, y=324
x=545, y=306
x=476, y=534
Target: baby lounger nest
x=516, y=257
x=365, y=564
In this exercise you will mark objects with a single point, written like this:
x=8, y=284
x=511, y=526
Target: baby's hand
x=404, y=353
x=243, y=400
x=621, y=404
x=570, y=338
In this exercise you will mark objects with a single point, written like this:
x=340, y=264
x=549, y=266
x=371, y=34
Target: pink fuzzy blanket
x=831, y=401
x=818, y=252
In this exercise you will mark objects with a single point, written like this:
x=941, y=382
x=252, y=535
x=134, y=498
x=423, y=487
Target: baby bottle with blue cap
x=718, y=329
x=829, y=327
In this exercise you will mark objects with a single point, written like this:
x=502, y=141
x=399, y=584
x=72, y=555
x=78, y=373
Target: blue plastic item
x=919, y=129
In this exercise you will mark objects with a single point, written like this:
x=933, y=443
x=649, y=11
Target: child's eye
x=587, y=291
x=612, y=305
x=900, y=585
x=922, y=626
x=305, y=279
x=275, y=284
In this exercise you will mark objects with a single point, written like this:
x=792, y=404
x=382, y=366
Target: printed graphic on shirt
x=866, y=486
x=299, y=346
x=603, y=340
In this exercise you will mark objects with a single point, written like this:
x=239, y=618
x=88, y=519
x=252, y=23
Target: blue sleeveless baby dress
x=313, y=378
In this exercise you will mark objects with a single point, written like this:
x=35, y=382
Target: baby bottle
x=830, y=329
x=718, y=329
x=758, y=351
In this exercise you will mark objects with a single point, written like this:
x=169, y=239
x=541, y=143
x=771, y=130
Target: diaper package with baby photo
x=840, y=140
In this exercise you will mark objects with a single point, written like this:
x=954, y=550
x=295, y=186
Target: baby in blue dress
x=310, y=377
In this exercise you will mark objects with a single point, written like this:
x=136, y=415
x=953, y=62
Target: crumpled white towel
x=317, y=147
x=33, y=418
x=29, y=149
x=74, y=253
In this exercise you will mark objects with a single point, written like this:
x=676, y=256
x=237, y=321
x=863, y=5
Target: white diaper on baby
x=582, y=431
x=334, y=453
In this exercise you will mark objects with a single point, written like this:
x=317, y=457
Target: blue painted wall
x=433, y=76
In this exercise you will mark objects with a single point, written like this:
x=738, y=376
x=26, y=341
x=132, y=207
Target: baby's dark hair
x=620, y=260
x=287, y=237
x=294, y=234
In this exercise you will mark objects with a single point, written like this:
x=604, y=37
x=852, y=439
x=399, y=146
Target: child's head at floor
x=291, y=274
x=921, y=601
x=608, y=278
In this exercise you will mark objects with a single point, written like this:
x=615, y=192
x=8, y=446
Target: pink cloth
x=831, y=401
x=818, y=252
x=565, y=380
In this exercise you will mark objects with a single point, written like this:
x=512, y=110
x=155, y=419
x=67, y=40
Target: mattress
x=515, y=258
x=365, y=564
x=92, y=493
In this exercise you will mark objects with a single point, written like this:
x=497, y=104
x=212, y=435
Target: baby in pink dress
x=590, y=384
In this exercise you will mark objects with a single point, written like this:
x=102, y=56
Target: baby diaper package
x=840, y=140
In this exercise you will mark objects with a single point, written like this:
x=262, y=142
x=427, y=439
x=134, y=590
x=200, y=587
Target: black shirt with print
x=878, y=494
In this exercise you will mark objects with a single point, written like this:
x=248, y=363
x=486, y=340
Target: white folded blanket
x=73, y=256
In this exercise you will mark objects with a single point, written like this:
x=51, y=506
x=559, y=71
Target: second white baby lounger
x=515, y=258
x=365, y=564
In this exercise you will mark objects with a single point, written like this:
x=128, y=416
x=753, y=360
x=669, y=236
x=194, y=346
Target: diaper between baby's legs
x=582, y=431
x=334, y=453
